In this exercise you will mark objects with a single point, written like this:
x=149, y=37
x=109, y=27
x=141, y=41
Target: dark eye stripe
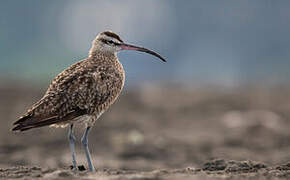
x=104, y=40
x=109, y=42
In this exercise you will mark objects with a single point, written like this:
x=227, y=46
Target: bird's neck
x=101, y=55
x=97, y=49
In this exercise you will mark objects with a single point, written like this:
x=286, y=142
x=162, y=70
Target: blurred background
x=223, y=92
x=222, y=42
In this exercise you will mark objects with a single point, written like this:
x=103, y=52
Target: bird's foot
x=78, y=168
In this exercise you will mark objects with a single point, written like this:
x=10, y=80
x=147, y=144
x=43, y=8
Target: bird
x=82, y=92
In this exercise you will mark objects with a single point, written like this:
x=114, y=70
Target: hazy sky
x=221, y=42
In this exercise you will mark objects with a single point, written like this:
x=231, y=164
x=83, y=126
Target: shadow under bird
x=82, y=92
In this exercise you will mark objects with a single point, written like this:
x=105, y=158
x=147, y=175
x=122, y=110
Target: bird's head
x=110, y=42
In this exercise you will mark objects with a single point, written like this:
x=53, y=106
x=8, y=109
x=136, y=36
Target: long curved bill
x=136, y=48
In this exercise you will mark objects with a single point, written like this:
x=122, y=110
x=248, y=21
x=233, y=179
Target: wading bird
x=82, y=92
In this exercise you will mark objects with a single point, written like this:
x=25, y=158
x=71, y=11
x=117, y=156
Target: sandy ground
x=159, y=133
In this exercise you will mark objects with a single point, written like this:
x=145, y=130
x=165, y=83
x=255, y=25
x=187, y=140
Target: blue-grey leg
x=72, y=139
x=86, y=147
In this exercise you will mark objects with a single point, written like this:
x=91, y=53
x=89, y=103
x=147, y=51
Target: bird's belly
x=84, y=119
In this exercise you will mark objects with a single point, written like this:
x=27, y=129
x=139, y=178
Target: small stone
x=215, y=165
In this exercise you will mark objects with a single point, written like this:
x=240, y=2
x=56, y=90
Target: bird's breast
x=119, y=79
x=109, y=84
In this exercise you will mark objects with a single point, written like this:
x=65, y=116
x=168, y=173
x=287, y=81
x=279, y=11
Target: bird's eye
x=110, y=42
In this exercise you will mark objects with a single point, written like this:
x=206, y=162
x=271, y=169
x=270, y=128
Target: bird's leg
x=72, y=139
x=85, y=144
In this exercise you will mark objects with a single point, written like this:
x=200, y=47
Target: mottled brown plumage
x=82, y=92
x=88, y=87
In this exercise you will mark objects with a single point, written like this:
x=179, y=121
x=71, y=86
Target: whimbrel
x=82, y=92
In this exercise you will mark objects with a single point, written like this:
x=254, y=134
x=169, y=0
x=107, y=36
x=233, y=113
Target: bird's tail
x=28, y=122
